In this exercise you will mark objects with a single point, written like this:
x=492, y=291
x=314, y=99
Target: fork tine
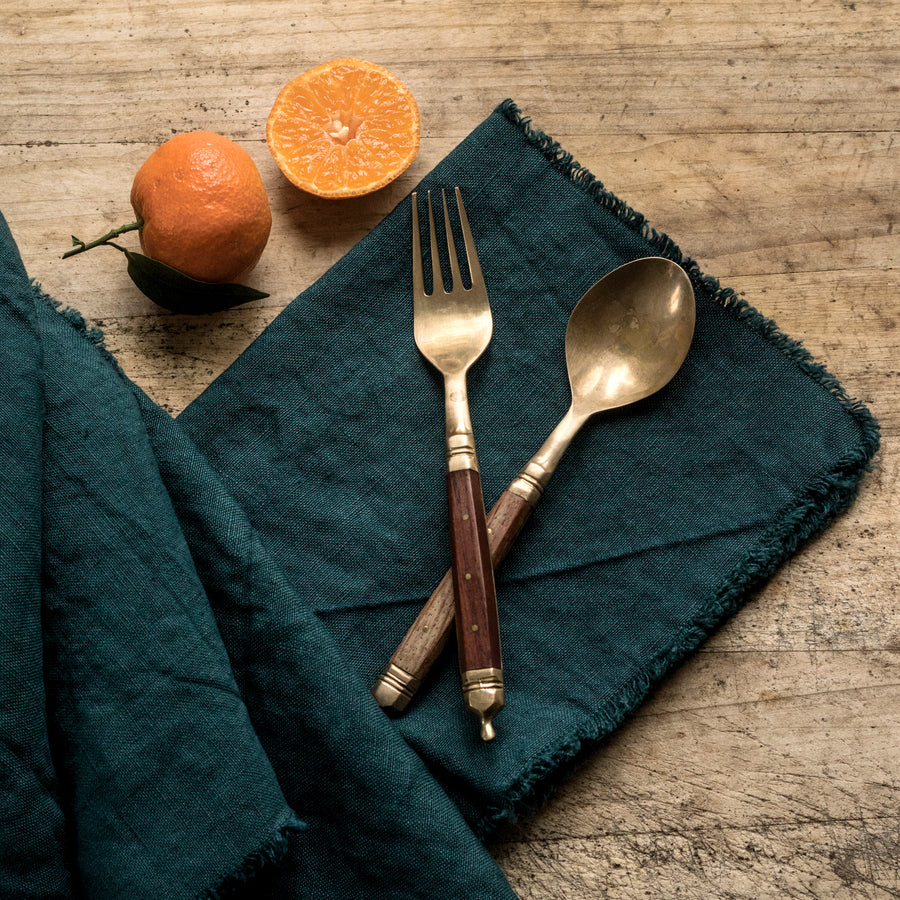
x=437, y=279
x=417, y=273
x=455, y=278
x=469, y=241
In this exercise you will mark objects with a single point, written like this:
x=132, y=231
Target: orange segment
x=344, y=128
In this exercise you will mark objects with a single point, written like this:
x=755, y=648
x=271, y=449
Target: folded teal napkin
x=195, y=608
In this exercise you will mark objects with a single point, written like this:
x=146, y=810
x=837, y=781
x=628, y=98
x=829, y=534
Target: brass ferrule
x=533, y=478
x=461, y=451
x=460, y=434
x=395, y=688
x=484, y=697
x=530, y=483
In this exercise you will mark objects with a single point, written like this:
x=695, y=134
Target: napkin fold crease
x=197, y=606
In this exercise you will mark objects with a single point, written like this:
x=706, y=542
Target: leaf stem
x=81, y=246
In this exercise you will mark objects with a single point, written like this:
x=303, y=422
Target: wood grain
x=477, y=626
x=762, y=138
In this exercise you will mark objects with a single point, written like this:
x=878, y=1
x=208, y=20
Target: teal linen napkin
x=197, y=607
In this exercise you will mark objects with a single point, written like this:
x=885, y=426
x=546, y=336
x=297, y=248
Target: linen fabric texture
x=196, y=607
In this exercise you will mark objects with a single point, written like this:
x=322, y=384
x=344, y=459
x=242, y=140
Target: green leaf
x=180, y=293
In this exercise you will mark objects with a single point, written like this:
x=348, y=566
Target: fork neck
x=460, y=435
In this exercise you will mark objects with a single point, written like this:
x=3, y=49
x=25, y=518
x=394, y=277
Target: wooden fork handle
x=476, y=600
x=428, y=635
x=477, y=624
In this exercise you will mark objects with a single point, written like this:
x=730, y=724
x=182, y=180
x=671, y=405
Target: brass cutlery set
x=626, y=338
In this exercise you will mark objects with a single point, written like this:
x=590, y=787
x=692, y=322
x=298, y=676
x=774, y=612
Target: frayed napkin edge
x=272, y=851
x=563, y=161
x=823, y=500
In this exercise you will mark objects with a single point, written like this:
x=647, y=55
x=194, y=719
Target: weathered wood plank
x=853, y=859
x=684, y=67
x=748, y=775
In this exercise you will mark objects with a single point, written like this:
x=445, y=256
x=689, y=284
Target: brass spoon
x=626, y=338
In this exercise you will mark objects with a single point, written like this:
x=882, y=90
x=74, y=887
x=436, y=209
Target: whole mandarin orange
x=202, y=207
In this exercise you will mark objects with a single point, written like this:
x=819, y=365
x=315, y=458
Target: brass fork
x=452, y=329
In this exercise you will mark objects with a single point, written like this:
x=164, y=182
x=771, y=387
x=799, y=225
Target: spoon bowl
x=626, y=338
x=629, y=334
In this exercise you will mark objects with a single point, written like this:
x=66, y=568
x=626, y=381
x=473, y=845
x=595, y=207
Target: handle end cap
x=395, y=688
x=484, y=697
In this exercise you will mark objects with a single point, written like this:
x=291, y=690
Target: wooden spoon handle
x=428, y=635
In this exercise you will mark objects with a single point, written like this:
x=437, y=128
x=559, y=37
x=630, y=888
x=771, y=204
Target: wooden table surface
x=761, y=137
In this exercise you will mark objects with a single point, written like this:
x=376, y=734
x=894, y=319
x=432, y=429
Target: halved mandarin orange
x=345, y=128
